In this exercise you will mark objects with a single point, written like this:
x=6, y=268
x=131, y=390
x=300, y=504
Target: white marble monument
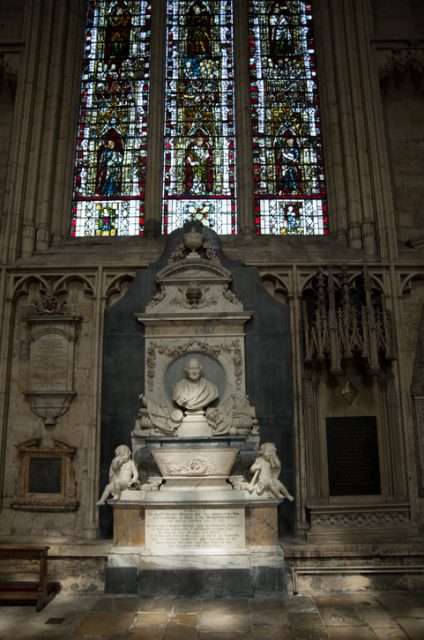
x=210, y=490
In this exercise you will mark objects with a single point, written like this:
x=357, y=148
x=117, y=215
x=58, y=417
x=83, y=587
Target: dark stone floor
x=340, y=616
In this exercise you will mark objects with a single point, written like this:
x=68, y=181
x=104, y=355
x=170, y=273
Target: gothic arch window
x=200, y=130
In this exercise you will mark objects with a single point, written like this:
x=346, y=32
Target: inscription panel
x=49, y=362
x=352, y=449
x=45, y=475
x=170, y=530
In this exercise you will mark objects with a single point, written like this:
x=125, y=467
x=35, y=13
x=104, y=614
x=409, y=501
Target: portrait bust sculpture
x=194, y=393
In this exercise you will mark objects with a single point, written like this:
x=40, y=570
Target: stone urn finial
x=193, y=240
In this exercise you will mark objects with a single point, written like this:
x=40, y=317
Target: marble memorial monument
x=203, y=519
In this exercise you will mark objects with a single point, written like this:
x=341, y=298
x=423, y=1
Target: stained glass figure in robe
x=199, y=156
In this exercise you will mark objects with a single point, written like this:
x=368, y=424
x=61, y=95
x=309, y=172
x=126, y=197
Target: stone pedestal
x=184, y=545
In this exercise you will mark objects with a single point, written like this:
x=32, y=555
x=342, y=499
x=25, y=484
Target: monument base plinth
x=225, y=547
x=235, y=575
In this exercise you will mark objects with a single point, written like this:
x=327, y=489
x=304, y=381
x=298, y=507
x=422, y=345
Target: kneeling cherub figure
x=266, y=470
x=123, y=474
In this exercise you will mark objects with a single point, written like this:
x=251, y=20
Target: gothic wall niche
x=349, y=389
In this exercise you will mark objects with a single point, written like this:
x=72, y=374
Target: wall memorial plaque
x=169, y=530
x=45, y=475
x=352, y=452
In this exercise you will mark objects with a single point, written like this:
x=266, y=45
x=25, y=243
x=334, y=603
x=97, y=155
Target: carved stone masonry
x=345, y=318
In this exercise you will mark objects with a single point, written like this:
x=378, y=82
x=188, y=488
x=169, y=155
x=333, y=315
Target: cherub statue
x=123, y=474
x=266, y=470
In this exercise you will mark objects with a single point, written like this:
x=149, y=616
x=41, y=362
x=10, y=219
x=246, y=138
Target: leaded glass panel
x=289, y=182
x=199, y=144
x=110, y=162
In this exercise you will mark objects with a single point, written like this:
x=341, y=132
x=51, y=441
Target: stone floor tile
x=118, y=636
x=341, y=616
x=268, y=617
x=226, y=606
x=145, y=633
x=266, y=604
x=64, y=603
x=180, y=633
x=186, y=619
x=187, y=605
x=273, y=633
x=363, y=598
x=298, y=603
x=117, y=604
x=151, y=619
x=350, y=633
x=159, y=604
x=413, y=627
x=304, y=618
x=377, y=616
x=210, y=622
x=333, y=600
x=405, y=605
x=40, y=637
x=309, y=633
x=390, y=633
x=225, y=635
x=102, y=623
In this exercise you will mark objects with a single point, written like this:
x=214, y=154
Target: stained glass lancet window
x=289, y=181
x=199, y=149
x=108, y=197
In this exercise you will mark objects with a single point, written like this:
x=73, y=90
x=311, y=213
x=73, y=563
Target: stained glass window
x=199, y=149
x=110, y=162
x=199, y=179
x=289, y=183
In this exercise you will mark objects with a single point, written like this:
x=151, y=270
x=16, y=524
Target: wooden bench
x=39, y=591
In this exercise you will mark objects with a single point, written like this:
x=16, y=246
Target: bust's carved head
x=193, y=369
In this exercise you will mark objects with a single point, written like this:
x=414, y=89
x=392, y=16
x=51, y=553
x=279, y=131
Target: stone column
x=21, y=225
x=245, y=201
x=66, y=139
x=153, y=206
x=51, y=32
x=295, y=301
x=353, y=126
x=51, y=102
x=6, y=313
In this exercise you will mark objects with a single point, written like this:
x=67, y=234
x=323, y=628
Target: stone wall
x=371, y=105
